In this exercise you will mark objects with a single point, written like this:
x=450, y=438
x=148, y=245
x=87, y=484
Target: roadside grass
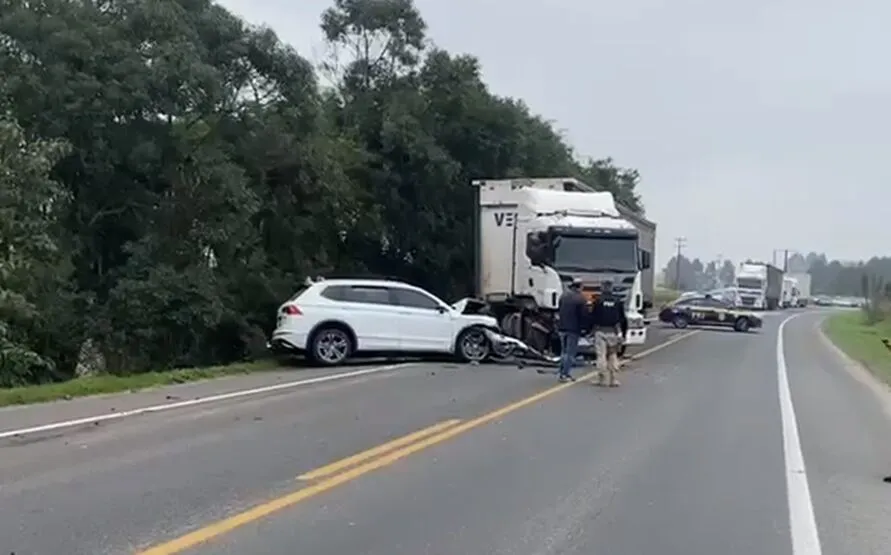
x=664, y=296
x=103, y=384
x=861, y=341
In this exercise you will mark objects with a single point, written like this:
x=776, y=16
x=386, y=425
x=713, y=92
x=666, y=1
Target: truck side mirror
x=644, y=260
x=647, y=305
x=536, y=249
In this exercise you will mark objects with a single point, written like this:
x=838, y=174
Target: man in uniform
x=572, y=316
x=610, y=327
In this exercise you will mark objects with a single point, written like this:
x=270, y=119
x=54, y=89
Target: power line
x=680, y=242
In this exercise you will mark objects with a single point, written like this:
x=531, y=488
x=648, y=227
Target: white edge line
x=193, y=402
x=802, y=522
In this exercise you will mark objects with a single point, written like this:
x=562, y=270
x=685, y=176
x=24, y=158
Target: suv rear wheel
x=330, y=346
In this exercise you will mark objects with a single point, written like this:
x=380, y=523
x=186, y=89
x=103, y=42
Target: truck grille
x=592, y=293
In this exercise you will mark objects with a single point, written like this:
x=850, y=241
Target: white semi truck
x=760, y=285
x=533, y=240
x=790, y=292
x=804, y=287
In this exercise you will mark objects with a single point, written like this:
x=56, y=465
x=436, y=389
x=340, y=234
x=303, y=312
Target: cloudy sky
x=775, y=113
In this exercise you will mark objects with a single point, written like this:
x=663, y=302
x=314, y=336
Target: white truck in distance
x=760, y=285
x=804, y=287
x=533, y=240
x=790, y=292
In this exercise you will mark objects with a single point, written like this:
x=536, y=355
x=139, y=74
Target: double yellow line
x=346, y=470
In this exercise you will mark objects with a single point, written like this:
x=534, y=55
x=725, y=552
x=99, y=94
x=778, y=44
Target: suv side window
x=413, y=299
x=361, y=294
x=335, y=292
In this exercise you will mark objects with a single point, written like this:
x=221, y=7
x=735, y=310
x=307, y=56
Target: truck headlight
x=636, y=323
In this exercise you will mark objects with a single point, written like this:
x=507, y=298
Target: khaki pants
x=606, y=344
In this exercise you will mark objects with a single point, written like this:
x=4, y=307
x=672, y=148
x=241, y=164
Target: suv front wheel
x=473, y=345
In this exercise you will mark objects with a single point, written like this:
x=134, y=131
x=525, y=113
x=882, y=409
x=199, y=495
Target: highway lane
x=106, y=488
x=685, y=458
x=29, y=416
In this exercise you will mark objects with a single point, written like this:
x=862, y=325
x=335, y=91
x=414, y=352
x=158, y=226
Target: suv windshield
x=596, y=254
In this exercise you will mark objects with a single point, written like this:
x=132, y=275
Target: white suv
x=331, y=320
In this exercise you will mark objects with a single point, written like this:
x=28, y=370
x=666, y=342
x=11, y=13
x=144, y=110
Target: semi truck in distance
x=804, y=287
x=533, y=237
x=760, y=285
x=790, y=292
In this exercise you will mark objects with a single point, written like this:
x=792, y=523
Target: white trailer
x=533, y=240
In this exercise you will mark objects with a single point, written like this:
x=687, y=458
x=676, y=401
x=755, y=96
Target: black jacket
x=609, y=312
x=572, y=312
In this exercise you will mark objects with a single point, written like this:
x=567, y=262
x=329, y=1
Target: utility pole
x=719, y=265
x=785, y=258
x=681, y=242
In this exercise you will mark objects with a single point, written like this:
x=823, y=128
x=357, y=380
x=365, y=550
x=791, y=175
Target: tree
x=206, y=172
x=621, y=182
x=727, y=274
x=30, y=206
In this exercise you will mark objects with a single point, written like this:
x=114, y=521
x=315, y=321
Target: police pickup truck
x=705, y=310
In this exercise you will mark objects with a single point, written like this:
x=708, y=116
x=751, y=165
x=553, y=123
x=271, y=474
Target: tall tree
x=207, y=172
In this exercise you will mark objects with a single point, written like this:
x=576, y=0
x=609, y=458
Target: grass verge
x=97, y=385
x=861, y=341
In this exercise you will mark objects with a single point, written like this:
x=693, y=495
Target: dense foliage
x=828, y=277
x=169, y=174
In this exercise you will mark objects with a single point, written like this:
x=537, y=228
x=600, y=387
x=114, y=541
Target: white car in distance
x=331, y=320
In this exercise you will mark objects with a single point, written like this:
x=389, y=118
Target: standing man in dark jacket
x=610, y=327
x=572, y=319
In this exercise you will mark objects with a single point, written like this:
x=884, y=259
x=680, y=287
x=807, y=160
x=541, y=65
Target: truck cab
x=791, y=293
x=534, y=241
x=760, y=285
x=751, y=282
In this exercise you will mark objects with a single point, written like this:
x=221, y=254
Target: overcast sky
x=755, y=125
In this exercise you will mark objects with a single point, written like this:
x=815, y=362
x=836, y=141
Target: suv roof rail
x=362, y=276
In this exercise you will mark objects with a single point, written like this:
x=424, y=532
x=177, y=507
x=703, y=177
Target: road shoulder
x=843, y=427
x=861, y=372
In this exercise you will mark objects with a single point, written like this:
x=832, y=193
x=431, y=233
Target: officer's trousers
x=606, y=344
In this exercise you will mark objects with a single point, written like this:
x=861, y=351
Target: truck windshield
x=596, y=254
x=748, y=283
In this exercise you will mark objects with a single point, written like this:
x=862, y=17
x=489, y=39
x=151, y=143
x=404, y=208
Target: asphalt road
x=686, y=458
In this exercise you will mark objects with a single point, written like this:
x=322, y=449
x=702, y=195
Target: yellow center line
x=341, y=464
x=221, y=527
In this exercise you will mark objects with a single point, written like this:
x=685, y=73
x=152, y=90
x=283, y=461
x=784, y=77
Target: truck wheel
x=680, y=322
x=472, y=345
x=741, y=324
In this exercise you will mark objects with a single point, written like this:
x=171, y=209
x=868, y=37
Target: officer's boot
x=613, y=382
x=600, y=380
